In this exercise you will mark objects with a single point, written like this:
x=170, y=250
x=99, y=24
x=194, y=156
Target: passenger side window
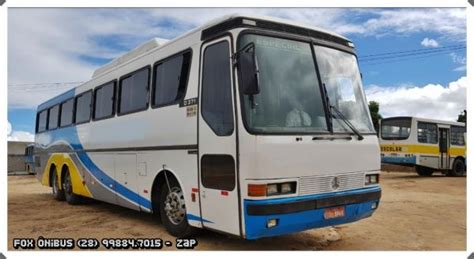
x=83, y=107
x=67, y=112
x=170, y=79
x=133, y=91
x=42, y=121
x=457, y=135
x=427, y=133
x=104, y=100
x=216, y=89
x=53, y=117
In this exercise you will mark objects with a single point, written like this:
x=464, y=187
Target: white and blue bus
x=249, y=126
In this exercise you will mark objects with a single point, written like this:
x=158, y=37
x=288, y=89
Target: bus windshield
x=290, y=99
x=396, y=129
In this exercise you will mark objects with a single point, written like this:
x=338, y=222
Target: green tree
x=374, y=114
x=462, y=116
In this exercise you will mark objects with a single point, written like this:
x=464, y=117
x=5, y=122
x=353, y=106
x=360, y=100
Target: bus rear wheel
x=459, y=168
x=173, y=210
x=71, y=198
x=424, y=171
x=58, y=193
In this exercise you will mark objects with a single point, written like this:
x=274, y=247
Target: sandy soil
x=415, y=214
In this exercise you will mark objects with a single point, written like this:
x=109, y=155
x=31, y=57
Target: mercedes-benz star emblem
x=335, y=183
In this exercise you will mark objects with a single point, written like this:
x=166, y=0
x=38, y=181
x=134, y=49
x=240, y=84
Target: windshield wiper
x=330, y=108
x=345, y=120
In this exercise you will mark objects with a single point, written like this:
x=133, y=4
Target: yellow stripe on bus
x=423, y=149
x=59, y=160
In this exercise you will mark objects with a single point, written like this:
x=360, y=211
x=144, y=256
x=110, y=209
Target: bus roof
x=157, y=43
x=427, y=120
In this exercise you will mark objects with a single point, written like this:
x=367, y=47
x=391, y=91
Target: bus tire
x=58, y=193
x=424, y=171
x=459, y=168
x=71, y=198
x=173, y=210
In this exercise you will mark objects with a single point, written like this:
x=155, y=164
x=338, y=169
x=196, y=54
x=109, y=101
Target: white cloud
x=429, y=101
x=13, y=135
x=46, y=45
x=459, y=60
x=429, y=43
x=448, y=22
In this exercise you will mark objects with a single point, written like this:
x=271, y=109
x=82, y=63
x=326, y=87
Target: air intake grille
x=327, y=183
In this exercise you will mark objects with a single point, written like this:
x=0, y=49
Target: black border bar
x=298, y=206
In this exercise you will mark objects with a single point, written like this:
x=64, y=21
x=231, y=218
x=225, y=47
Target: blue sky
x=42, y=52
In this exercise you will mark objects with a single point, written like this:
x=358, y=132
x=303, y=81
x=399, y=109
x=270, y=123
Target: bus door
x=217, y=139
x=444, y=148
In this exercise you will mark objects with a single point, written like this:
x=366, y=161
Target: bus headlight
x=271, y=189
x=371, y=179
x=287, y=188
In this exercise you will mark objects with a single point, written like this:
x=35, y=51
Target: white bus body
x=189, y=144
x=427, y=144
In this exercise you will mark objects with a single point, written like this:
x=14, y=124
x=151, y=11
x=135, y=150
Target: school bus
x=428, y=145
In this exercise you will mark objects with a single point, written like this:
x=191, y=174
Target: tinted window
x=104, y=99
x=427, y=133
x=42, y=120
x=53, y=117
x=134, y=91
x=218, y=172
x=393, y=129
x=83, y=107
x=457, y=135
x=66, y=113
x=170, y=80
x=216, y=89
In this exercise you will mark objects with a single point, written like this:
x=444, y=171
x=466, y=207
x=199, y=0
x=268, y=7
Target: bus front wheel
x=424, y=171
x=173, y=210
x=459, y=168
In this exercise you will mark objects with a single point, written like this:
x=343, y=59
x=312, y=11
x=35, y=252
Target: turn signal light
x=257, y=190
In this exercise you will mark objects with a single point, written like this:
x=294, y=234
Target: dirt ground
x=416, y=213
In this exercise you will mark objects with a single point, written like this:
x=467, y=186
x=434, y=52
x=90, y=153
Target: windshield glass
x=393, y=129
x=290, y=98
x=340, y=74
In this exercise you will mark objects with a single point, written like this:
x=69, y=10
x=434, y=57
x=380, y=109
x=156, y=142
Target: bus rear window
x=396, y=129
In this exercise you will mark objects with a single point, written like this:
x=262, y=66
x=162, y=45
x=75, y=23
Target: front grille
x=325, y=184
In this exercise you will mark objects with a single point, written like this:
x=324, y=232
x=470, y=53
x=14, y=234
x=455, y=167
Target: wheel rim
x=174, y=206
x=67, y=184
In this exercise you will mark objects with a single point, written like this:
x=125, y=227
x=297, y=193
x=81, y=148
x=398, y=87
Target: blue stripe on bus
x=399, y=160
x=196, y=218
x=57, y=99
x=108, y=181
x=70, y=136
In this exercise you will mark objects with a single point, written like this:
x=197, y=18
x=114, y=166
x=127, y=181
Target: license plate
x=335, y=212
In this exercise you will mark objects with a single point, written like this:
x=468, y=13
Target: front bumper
x=307, y=212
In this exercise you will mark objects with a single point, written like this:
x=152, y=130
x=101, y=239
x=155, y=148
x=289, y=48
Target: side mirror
x=248, y=70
